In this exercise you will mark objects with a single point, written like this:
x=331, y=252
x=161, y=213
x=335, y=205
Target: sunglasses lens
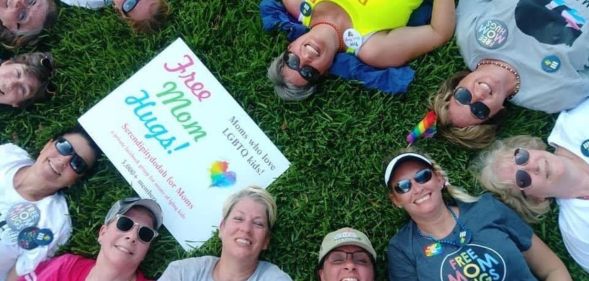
x=480, y=110
x=423, y=176
x=146, y=234
x=64, y=147
x=462, y=95
x=129, y=5
x=521, y=156
x=78, y=165
x=403, y=186
x=124, y=223
x=522, y=179
x=309, y=73
x=291, y=60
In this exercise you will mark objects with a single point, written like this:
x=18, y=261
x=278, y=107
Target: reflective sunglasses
x=422, y=176
x=478, y=109
x=293, y=62
x=340, y=257
x=522, y=178
x=128, y=6
x=145, y=233
x=65, y=148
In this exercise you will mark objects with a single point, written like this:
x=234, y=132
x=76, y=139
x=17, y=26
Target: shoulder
x=9, y=151
x=191, y=262
x=269, y=271
x=402, y=236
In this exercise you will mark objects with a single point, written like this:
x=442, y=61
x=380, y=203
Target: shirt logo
x=492, y=34
x=473, y=262
x=550, y=63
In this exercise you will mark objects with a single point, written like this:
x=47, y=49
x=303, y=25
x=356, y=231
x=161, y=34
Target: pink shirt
x=66, y=267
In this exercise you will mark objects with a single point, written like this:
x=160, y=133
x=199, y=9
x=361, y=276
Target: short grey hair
x=257, y=194
x=284, y=89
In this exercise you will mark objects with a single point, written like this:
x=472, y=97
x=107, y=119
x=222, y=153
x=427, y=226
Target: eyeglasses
x=422, y=176
x=522, y=178
x=128, y=6
x=340, y=257
x=145, y=233
x=478, y=109
x=293, y=62
x=65, y=148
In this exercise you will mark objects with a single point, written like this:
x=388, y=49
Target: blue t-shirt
x=498, y=238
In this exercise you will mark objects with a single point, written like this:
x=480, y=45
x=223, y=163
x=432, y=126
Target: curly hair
x=498, y=156
x=11, y=40
x=41, y=66
x=284, y=89
x=474, y=137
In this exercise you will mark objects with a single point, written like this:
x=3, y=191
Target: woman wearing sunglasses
x=538, y=64
x=21, y=21
x=25, y=79
x=141, y=15
x=34, y=216
x=248, y=217
x=129, y=227
x=375, y=31
x=454, y=236
x=527, y=177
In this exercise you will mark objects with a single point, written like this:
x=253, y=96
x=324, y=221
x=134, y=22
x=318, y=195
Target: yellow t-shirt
x=368, y=16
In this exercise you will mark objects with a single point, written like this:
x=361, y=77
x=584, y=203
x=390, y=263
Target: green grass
x=336, y=140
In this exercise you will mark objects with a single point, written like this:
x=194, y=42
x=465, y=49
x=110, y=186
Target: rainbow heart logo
x=220, y=177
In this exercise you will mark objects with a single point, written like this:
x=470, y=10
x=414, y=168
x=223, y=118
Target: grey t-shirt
x=545, y=41
x=201, y=269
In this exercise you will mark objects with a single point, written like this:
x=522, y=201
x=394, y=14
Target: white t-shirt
x=570, y=132
x=201, y=269
x=89, y=4
x=30, y=232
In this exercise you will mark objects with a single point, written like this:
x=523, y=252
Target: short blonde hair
x=257, y=194
x=455, y=192
x=473, y=137
x=497, y=156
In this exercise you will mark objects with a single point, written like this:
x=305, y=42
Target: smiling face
x=16, y=84
x=357, y=268
x=143, y=10
x=422, y=198
x=485, y=88
x=312, y=50
x=23, y=16
x=55, y=168
x=124, y=249
x=545, y=169
x=245, y=231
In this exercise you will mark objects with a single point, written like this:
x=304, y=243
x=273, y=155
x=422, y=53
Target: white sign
x=178, y=137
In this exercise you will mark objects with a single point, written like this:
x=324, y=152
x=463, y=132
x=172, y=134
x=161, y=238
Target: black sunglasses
x=478, y=109
x=422, y=176
x=145, y=233
x=293, y=62
x=65, y=148
x=128, y=6
x=522, y=178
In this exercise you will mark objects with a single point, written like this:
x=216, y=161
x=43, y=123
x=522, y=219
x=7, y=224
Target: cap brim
x=399, y=159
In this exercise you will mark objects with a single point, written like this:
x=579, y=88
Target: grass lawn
x=336, y=140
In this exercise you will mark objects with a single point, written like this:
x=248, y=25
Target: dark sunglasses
x=128, y=6
x=46, y=62
x=293, y=62
x=522, y=178
x=422, y=176
x=145, y=233
x=478, y=109
x=65, y=148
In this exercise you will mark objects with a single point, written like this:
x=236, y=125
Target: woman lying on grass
x=23, y=20
x=375, y=31
x=25, y=79
x=34, y=216
x=527, y=177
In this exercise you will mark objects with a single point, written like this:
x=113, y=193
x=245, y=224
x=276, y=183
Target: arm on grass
x=293, y=7
x=544, y=262
x=401, y=45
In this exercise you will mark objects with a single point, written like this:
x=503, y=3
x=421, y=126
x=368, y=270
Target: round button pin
x=22, y=215
x=305, y=9
x=44, y=237
x=352, y=38
x=27, y=238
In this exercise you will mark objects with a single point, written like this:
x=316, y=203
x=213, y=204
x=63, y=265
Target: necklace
x=464, y=235
x=340, y=39
x=506, y=67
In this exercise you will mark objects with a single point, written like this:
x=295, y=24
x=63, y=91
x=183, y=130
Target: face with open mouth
x=347, y=263
x=245, y=232
x=424, y=196
x=16, y=84
x=124, y=248
x=482, y=86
